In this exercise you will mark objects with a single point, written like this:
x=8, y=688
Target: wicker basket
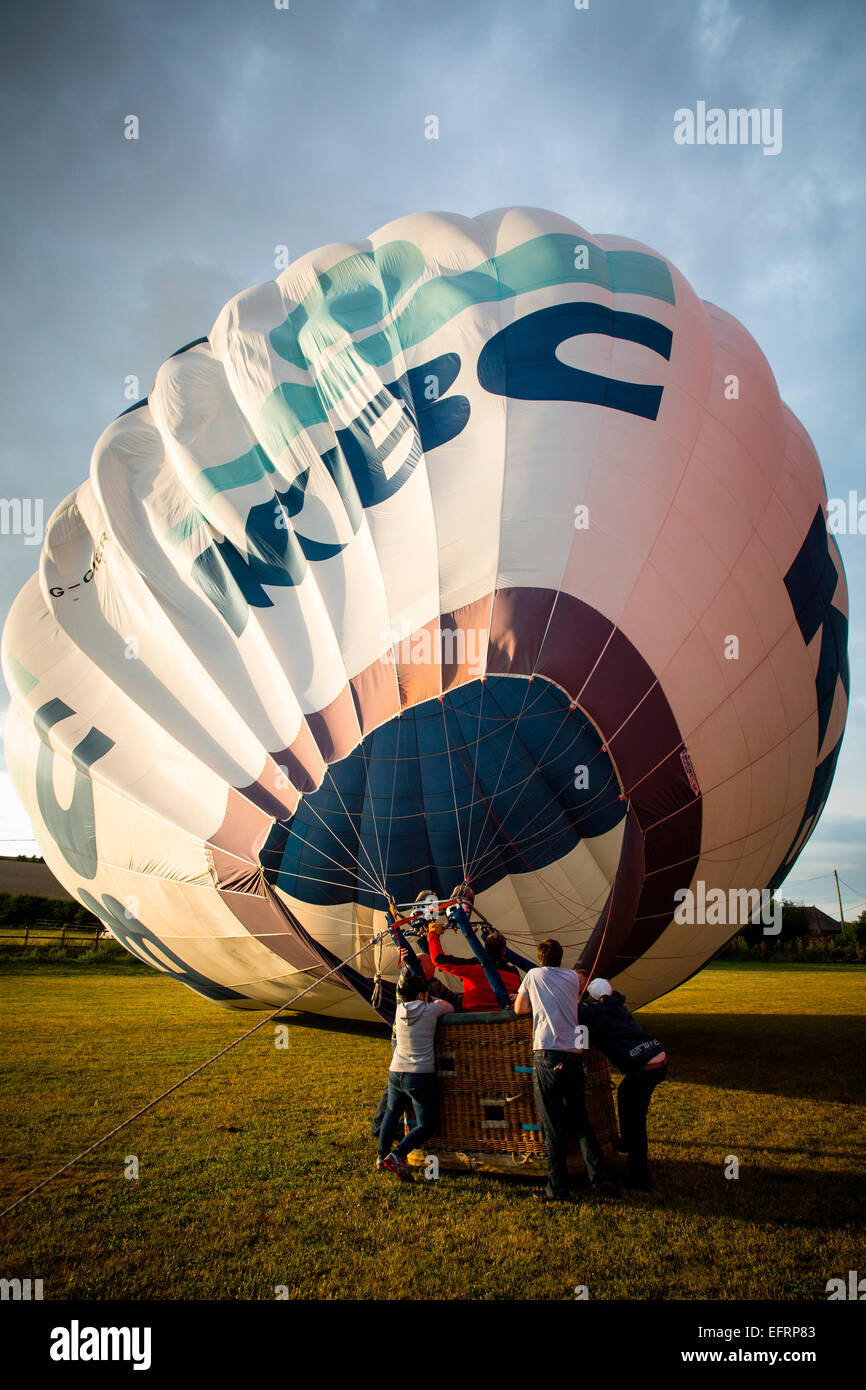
x=484, y=1067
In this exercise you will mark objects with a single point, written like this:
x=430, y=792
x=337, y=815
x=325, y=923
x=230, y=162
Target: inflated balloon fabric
x=483, y=548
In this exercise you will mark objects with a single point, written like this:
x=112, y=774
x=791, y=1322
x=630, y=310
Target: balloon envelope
x=481, y=548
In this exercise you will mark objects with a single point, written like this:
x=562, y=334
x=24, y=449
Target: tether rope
x=183, y=1080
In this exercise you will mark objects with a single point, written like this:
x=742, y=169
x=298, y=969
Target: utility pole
x=839, y=896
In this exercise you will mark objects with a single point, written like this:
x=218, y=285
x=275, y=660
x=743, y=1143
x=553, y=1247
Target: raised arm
x=437, y=955
x=521, y=1004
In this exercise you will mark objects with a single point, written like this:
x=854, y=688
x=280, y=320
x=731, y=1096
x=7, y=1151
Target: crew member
x=412, y=1074
x=488, y=984
x=641, y=1058
x=551, y=995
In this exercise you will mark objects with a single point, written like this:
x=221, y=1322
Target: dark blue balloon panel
x=489, y=777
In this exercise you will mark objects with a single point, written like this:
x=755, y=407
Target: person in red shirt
x=478, y=996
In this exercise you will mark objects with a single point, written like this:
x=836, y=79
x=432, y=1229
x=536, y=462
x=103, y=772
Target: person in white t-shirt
x=552, y=994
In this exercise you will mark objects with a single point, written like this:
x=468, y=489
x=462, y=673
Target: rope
x=369, y=873
x=514, y=721
x=222, y=1052
x=391, y=811
x=376, y=998
x=563, y=899
x=477, y=742
x=453, y=789
x=369, y=793
x=304, y=841
x=361, y=844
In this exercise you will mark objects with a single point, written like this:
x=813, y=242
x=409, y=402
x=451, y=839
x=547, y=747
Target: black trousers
x=559, y=1086
x=632, y=1101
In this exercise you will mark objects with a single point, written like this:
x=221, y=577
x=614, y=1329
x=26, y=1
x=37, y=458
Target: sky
x=262, y=127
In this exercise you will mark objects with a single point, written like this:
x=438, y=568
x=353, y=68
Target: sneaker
x=380, y=1164
x=394, y=1164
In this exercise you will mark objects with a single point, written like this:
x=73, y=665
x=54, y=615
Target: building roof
x=821, y=923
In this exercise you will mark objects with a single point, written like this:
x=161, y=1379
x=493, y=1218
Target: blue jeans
x=379, y=1114
x=422, y=1090
x=558, y=1083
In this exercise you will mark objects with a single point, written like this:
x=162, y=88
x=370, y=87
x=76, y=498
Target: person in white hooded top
x=412, y=1074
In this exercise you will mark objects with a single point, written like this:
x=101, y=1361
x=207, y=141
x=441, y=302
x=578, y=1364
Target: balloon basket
x=488, y=1121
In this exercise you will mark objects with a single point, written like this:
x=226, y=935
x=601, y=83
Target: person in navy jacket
x=640, y=1057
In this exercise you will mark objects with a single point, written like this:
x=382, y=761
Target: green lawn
x=259, y=1173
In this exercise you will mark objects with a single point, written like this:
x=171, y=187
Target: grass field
x=259, y=1173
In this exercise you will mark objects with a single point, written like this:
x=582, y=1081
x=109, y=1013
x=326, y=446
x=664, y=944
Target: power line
x=792, y=882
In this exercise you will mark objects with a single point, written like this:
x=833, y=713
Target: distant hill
x=33, y=876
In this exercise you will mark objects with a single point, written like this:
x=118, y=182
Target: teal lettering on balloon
x=73, y=829
x=140, y=941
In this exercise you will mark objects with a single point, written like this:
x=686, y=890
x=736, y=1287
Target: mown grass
x=259, y=1174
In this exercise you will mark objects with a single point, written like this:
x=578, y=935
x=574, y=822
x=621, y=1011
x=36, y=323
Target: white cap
x=599, y=989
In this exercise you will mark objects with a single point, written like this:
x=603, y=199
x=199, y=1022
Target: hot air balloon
x=482, y=550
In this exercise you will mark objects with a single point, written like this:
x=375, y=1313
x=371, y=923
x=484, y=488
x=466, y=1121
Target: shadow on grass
x=795, y=1197
x=798, y=1056
x=853, y=1151
x=801, y=1198
x=334, y=1025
